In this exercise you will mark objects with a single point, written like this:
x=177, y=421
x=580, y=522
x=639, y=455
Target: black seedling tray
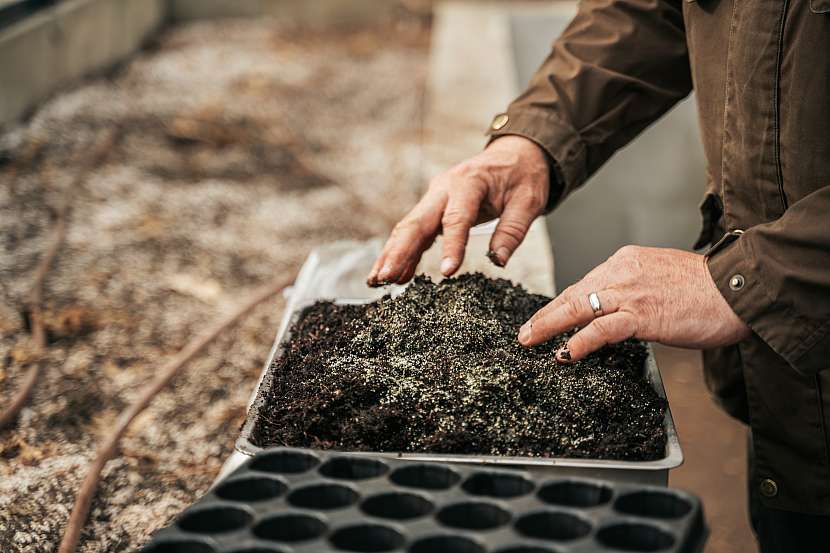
x=295, y=500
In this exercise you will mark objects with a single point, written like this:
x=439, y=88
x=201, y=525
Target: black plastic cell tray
x=296, y=500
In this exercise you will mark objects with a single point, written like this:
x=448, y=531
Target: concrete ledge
x=63, y=43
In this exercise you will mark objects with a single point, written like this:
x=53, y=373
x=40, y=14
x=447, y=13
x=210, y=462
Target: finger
x=409, y=239
x=394, y=259
x=609, y=329
x=372, y=279
x=403, y=250
x=511, y=230
x=599, y=278
x=574, y=312
x=461, y=213
x=408, y=273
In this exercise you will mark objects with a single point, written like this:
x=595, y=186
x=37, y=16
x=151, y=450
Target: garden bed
x=240, y=146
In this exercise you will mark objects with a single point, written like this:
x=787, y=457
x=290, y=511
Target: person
x=758, y=301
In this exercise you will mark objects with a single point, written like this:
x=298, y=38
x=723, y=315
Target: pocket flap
x=820, y=6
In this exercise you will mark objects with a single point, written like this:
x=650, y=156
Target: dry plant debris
x=242, y=145
x=438, y=369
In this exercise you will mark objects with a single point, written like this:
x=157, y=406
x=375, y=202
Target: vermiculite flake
x=438, y=369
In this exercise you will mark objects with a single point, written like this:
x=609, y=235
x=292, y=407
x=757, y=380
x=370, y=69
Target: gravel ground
x=238, y=146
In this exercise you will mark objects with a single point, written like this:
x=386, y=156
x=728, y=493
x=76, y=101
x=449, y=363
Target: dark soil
x=438, y=369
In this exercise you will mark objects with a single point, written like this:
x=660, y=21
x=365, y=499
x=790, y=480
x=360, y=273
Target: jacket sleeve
x=618, y=66
x=776, y=277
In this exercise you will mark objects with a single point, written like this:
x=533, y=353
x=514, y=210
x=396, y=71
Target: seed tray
x=337, y=271
x=287, y=500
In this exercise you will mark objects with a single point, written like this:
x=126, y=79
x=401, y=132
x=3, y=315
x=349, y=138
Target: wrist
x=526, y=149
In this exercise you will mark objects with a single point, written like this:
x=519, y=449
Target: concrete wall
x=60, y=44
x=647, y=194
x=314, y=12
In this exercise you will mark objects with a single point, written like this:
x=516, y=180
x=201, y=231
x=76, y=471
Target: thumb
x=511, y=229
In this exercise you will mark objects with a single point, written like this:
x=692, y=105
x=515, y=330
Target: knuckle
x=569, y=292
x=638, y=305
x=626, y=252
x=631, y=326
x=603, y=329
x=405, y=226
x=455, y=217
x=535, y=200
x=629, y=258
x=572, y=309
x=513, y=230
x=464, y=169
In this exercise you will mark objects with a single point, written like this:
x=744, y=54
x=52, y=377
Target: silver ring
x=596, y=306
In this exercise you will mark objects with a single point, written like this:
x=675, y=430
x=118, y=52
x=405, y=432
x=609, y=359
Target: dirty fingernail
x=447, y=265
x=503, y=254
x=494, y=258
x=524, y=333
x=563, y=354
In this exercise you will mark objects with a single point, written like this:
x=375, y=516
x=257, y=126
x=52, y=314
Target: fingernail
x=447, y=266
x=563, y=354
x=504, y=255
x=494, y=258
x=384, y=272
x=525, y=332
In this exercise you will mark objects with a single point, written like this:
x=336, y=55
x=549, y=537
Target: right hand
x=509, y=180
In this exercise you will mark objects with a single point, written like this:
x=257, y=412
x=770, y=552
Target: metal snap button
x=736, y=282
x=769, y=488
x=499, y=121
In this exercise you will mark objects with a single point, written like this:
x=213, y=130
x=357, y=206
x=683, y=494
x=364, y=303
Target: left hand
x=654, y=294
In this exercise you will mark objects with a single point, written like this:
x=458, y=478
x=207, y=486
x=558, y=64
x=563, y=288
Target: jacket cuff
x=738, y=273
x=566, y=151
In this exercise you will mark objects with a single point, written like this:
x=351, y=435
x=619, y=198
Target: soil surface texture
x=438, y=369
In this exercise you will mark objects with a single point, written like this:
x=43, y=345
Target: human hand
x=655, y=294
x=509, y=179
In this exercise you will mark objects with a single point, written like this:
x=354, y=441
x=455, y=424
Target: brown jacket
x=761, y=72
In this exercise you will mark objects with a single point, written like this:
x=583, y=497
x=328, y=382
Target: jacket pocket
x=820, y=6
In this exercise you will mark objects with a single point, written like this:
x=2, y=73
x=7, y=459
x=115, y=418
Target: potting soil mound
x=438, y=369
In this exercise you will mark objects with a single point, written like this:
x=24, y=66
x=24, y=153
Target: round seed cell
x=323, y=497
x=574, y=493
x=397, y=506
x=251, y=488
x=553, y=525
x=634, y=537
x=427, y=477
x=492, y=484
x=473, y=516
x=353, y=468
x=290, y=528
x=367, y=538
x=446, y=544
x=284, y=462
x=179, y=546
x=214, y=520
x=653, y=504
